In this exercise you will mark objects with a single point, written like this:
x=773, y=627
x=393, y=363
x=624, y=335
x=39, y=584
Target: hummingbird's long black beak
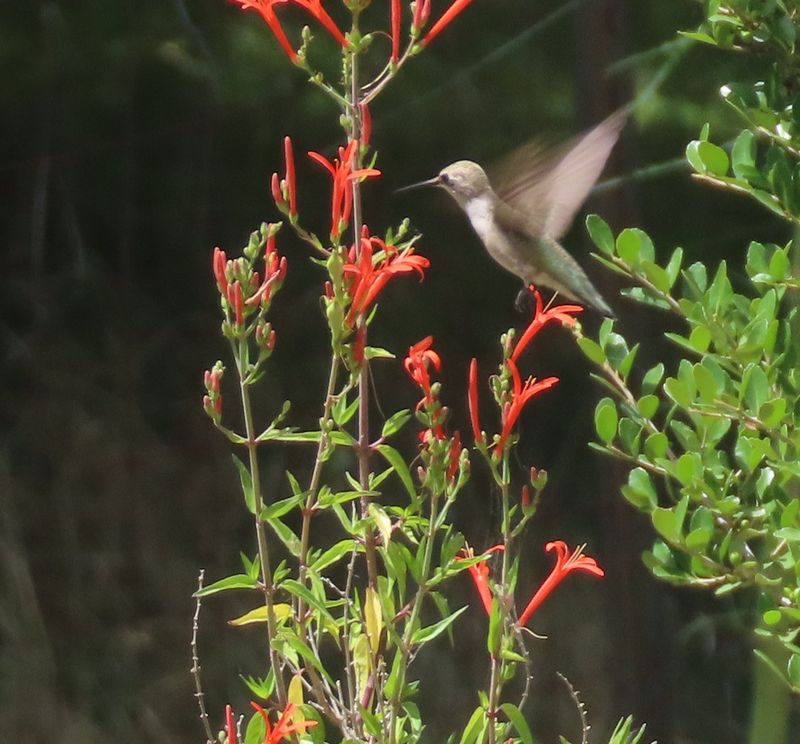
x=435, y=181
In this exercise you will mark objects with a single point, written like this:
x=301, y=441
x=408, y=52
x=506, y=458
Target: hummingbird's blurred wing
x=549, y=186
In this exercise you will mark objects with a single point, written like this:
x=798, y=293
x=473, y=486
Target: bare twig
x=573, y=693
x=195, y=670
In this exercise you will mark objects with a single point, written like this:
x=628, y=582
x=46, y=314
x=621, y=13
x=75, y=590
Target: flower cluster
x=343, y=174
x=242, y=289
x=266, y=9
x=368, y=271
x=512, y=393
x=288, y=723
x=566, y=563
x=419, y=361
x=421, y=10
x=212, y=400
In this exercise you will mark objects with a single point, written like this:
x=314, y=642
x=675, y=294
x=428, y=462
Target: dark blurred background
x=135, y=137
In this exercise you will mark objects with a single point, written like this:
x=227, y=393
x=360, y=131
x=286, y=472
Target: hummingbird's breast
x=502, y=245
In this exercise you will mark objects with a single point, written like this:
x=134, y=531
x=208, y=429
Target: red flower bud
x=275, y=187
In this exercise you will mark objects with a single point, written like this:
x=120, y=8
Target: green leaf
x=335, y=553
x=395, y=422
x=592, y=350
x=647, y=406
x=298, y=590
x=793, y=670
x=237, y=581
x=247, y=484
x=652, y=378
x=517, y=719
x=743, y=154
x=605, y=420
x=677, y=392
x=706, y=157
x=474, y=729
x=600, y=233
x=700, y=339
x=423, y=635
x=634, y=246
x=279, y=508
x=639, y=490
x=395, y=459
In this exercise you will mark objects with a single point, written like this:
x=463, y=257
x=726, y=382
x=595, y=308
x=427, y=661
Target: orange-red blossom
x=480, y=575
x=369, y=273
x=566, y=563
x=541, y=317
x=521, y=394
x=417, y=363
x=343, y=174
x=266, y=10
x=289, y=180
x=283, y=727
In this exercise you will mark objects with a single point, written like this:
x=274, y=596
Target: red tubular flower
x=521, y=395
x=445, y=20
x=342, y=173
x=419, y=356
x=366, y=123
x=275, y=188
x=274, y=274
x=368, y=277
x=265, y=9
x=218, y=264
x=236, y=301
x=396, y=10
x=290, y=180
x=480, y=576
x=314, y=7
x=284, y=726
x=455, y=454
x=525, y=496
x=422, y=10
x=230, y=725
x=473, y=400
x=541, y=317
x=566, y=562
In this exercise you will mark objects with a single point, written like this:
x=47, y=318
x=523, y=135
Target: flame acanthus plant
x=376, y=616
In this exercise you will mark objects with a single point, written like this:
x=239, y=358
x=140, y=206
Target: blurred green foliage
x=138, y=136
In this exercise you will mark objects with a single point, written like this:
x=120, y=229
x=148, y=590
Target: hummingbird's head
x=463, y=180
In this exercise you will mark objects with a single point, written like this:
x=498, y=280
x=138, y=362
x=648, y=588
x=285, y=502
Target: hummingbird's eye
x=445, y=179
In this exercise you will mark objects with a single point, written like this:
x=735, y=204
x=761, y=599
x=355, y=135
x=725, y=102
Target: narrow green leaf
x=518, y=720
x=395, y=459
x=423, y=635
x=247, y=484
x=237, y=581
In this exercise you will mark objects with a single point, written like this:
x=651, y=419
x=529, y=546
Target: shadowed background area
x=136, y=137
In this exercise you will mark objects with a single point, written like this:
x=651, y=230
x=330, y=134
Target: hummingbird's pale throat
x=537, y=194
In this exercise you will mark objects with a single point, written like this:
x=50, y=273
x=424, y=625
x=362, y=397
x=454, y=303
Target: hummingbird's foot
x=525, y=302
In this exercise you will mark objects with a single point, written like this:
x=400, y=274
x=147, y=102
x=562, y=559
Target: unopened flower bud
x=277, y=195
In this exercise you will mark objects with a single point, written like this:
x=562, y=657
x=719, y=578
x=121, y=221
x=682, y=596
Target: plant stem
x=363, y=447
x=405, y=647
x=495, y=681
x=308, y=513
x=261, y=533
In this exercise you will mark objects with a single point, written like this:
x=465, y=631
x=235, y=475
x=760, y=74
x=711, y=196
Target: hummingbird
x=536, y=195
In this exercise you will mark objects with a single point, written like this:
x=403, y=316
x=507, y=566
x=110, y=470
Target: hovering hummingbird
x=537, y=193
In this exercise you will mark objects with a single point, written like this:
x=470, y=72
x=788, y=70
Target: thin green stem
x=261, y=533
x=363, y=446
x=410, y=627
x=503, y=601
